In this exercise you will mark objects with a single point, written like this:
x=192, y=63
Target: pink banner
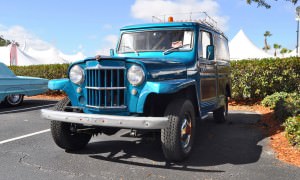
x=13, y=55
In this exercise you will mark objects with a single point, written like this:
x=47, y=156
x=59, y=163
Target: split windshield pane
x=156, y=41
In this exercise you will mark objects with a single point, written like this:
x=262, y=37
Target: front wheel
x=14, y=100
x=64, y=134
x=177, y=139
x=66, y=139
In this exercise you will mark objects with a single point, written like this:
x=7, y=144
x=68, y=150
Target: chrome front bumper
x=131, y=122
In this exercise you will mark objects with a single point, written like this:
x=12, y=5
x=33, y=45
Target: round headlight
x=135, y=75
x=76, y=74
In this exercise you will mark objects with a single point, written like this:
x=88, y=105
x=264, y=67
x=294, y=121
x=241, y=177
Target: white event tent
x=13, y=55
x=241, y=47
x=292, y=54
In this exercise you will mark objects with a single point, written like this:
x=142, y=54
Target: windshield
x=162, y=40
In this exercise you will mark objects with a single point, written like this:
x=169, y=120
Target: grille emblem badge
x=97, y=57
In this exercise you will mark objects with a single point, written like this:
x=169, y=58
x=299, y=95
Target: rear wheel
x=14, y=99
x=64, y=134
x=177, y=139
x=221, y=114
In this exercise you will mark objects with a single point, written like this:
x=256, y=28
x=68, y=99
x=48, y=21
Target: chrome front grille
x=105, y=87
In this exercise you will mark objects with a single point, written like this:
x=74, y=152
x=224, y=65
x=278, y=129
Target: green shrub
x=259, y=78
x=290, y=106
x=293, y=103
x=284, y=104
x=51, y=71
x=292, y=128
x=272, y=100
x=281, y=110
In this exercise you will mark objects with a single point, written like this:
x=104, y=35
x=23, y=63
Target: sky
x=92, y=26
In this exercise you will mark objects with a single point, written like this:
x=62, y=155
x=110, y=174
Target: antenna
x=156, y=18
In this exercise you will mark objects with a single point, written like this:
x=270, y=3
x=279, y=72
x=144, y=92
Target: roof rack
x=200, y=17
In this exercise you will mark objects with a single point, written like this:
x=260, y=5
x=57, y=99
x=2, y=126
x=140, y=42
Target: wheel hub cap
x=186, y=131
x=14, y=98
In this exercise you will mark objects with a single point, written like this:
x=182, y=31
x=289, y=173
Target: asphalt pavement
x=234, y=150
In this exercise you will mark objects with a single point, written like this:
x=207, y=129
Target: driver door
x=207, y=71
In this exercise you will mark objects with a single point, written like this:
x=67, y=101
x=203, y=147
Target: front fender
x=58, y=84
x=162, y=87
x=66, y=86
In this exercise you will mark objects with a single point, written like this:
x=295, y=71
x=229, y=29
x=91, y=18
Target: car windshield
x=162, y=40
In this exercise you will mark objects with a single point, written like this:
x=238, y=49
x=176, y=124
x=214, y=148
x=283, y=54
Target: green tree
x=284, y=51
x=4, y=42
x=265, y=4
x=276, y=46
x=266, y=35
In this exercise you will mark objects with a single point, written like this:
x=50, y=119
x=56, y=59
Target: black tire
x=176, y=145
x=221, y=114
x=13, y=100
x=62, y=134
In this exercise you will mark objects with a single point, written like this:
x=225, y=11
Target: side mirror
x=210, y=52
x=112, y=52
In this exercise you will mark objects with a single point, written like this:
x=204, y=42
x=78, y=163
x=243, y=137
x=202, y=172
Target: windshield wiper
x=173, y=48
x=135, y=51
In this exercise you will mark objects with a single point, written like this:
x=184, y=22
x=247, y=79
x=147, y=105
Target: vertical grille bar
x=99, y=92
x=118, y=84
x=105, y=85
x=111, y=85
x=94, y=84
x=124, y=85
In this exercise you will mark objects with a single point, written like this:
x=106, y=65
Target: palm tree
x=267, y=34
x=284, y=51
x=276, y=46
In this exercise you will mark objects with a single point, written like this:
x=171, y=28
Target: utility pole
x=297, y=19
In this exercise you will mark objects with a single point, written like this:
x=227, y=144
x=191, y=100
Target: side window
x=204, y=40
x=222, y=50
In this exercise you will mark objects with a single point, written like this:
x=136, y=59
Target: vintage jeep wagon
x=162, y=77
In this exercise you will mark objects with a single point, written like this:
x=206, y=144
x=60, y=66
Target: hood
x=155, y=69
x=161, y=69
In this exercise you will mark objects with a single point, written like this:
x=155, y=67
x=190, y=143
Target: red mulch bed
x=46, y=97
x=273, y=129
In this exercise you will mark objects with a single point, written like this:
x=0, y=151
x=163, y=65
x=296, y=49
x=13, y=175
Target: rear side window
x=222, y=50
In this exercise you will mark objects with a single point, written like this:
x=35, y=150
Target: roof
x=169, y=24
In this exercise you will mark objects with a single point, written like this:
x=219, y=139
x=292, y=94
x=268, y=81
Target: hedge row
x=250, y=78
x=53, y=71
x=259, y=78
